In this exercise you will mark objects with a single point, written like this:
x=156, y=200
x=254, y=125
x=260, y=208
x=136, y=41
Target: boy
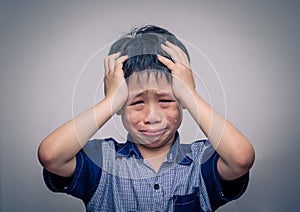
x=148, y=81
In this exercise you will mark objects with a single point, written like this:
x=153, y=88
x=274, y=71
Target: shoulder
x=98, y=150
x=96, y=145
x=201, y=149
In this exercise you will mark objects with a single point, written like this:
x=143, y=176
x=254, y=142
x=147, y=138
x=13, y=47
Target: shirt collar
x=180, y=153
x=128, y=149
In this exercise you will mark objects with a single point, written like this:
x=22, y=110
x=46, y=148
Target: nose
x=153, y=116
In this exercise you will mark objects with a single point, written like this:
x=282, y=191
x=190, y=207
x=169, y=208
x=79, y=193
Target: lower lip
x=156, y=133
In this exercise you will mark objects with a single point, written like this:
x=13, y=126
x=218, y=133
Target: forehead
x=143, y=81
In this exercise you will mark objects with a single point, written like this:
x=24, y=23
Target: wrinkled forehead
x=139, y=82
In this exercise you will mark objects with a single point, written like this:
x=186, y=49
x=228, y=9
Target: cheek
x=131, y=118
x=174, y=116
x=177, y=121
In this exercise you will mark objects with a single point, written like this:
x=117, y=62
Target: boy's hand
x=236, y=152
x=182, y=76
x=115, y=87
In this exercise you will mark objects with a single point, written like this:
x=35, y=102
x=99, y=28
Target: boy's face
x=151, y=114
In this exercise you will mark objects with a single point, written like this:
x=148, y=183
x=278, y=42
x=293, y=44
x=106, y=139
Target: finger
x=112, y=61
x=106, y=65
x=119, y=63
x=121, y=59
x=173, y=54
x=176, y=56
x=183, y=57
x=169, y=63
x=171, y=45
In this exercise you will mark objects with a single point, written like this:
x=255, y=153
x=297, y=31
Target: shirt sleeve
x=221, y=192
x=84, y=182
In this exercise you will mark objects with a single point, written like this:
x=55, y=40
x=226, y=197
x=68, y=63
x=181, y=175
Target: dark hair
x=142, y=46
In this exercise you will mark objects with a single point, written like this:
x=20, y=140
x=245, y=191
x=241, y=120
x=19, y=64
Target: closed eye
x=166, y=100
x=137, y=103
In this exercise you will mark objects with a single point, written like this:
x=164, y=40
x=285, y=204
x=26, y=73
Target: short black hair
x=142, y=46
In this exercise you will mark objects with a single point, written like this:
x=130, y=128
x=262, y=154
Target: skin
x=151, y=115
x=152, y=121
x=236, y=152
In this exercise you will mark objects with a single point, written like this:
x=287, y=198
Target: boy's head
x=152, y=113
x=142, y=46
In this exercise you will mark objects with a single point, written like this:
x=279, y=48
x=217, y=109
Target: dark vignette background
x=254, y=46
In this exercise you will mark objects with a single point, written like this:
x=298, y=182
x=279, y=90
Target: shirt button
x=156, y=186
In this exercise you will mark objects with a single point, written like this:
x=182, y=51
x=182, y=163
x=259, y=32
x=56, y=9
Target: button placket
x=157, y=194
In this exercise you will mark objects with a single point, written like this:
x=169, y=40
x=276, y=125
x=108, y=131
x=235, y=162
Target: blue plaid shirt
x=110, y=176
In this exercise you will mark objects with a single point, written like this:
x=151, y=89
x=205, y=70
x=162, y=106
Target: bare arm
x=236, y=152
x=57, y=152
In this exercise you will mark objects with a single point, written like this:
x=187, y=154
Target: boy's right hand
x=57, y=152
x=115, y=86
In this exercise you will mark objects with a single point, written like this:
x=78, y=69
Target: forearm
x=58, y=150
x=236, y=152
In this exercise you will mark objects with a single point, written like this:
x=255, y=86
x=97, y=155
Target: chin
x=154, y=142
x=154, y=145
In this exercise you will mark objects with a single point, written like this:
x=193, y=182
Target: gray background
x=254, y=46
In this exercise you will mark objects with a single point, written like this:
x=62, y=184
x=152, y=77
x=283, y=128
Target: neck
x=155, y=156
x=149, y=153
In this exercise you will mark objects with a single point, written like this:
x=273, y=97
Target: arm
x=236, y=152
x=57, y=152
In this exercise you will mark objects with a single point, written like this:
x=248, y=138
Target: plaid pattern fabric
x=129, y=183
x=110, y=176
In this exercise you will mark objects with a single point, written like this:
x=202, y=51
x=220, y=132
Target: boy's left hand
x=182, y=75
x=236, y=152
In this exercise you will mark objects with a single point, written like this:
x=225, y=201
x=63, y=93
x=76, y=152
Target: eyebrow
x=157, y=93
x=163, y=94
x=135, y=95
